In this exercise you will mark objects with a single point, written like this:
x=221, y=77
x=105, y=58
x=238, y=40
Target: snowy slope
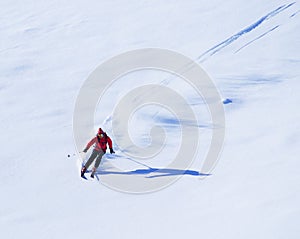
x=251, y=51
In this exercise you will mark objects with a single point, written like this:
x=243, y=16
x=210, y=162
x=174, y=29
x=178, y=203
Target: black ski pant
x=96, y=154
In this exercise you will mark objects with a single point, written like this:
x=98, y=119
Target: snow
x=49, y=48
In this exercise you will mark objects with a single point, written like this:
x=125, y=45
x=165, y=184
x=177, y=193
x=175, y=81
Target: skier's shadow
x=158, y=172
x=147, y=170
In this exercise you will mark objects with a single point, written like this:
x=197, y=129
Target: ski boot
x=93, y=172
x=83, y=170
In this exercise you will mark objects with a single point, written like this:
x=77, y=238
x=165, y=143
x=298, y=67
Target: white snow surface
x=49, y=48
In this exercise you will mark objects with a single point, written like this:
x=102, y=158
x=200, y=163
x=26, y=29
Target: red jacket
x=100, y=143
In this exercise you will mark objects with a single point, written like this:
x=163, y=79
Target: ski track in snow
x=294, y=14
x=257, y=38
x=212, y=51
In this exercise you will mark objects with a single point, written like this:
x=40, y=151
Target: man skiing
x=100, y=142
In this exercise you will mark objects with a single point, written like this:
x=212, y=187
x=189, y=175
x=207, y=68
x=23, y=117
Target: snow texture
x=251, y=51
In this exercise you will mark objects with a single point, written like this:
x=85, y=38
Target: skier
x=100, y=140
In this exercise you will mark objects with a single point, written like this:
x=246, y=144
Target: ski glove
x=85, y=150
x=111, y=151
